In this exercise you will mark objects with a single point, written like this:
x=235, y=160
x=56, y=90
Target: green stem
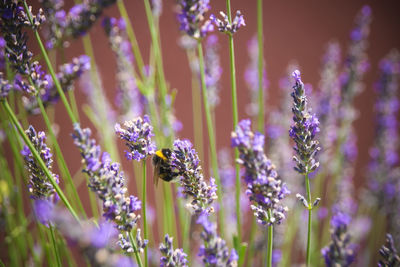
x=132, y=38
x=135, y=251
x=260, y=66
x=50, y=68
x=235, y=120
x=211, y=137
x=308, y=256
x=38, y=158
x=60, y=157
x=270, y=245
x=144, y=211
x=55, y=247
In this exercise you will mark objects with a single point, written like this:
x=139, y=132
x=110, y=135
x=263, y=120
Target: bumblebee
x=162, y=166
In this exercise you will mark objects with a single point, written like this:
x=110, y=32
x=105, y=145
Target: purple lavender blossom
x=226, y=26
x=389, y=254
x=264, y=187
x=340, y=252
x=251, y=77
x=137, y=135
x=2, y=54
x=213, y=70
x=171, y=257
x=43, y=210
x=191, y=18
x=185, y=162
x=5, y=87
x=128, y=96
x=214, y=251
x=107, y=181
x=303, y=130
x=39, y=185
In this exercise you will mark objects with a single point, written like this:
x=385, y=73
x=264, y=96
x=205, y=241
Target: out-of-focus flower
x=107, y=181
x=185, y=162
x=137, y=135
x=340, y=252
x=39, y=185
x=226, y=26
x=5, y=87
x=213, y=70
x=191, y=16
x=389, y=254
x=264, y=187
x=303, y=130
x=214, y=252
x=171, y=257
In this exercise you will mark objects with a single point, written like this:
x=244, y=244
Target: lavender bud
x=264, y=187
x=39, y=185
x=226, y=26
x=5, y=87
x=172, y=257
x=137, y=135
x=303, y=200
x=389, y=254
x=316, y=202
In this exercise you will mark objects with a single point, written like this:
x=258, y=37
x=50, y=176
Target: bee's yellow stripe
x=160, y=154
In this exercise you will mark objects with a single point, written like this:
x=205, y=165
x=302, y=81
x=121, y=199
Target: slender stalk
x=50, y=68
x=135, y=251
x=260, y=66
x=55, y=246
x=144, y=211
x=211, y=137
x=235, y=120
x=308, y=256
x=270, y=245
x=38, y=158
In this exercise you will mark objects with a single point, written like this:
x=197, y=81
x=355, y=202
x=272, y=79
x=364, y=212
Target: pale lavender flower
x=251, y=77
x=213, y=70
x=107, y=181
x=2, y=53
x=214, y=252
x=264, y=187
x=340, y=252
x=156, y=8
x=186, y=163
x=191, y=16
x=137, y=135
x=5, y=87
x=389, y=254
x=226, y=26
x=171, y=257
x=128, y=96
x=303, y=130
x=39, y=185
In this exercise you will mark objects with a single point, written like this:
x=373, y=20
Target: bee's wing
x=156, y=175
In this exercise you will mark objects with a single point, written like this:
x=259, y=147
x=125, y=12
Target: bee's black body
x=162, y=167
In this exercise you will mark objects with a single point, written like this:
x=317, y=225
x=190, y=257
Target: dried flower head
x=226, y=26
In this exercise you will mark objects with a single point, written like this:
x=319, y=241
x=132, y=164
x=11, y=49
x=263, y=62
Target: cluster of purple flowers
x=226, y=26
x=39, y=185
x=128, y=96
x=303, y=130
x=107, y=181
x=137, y=135
x=389, y=254
x=75, y=23
x=264, y=187
x=185, y=161
x=215, y=252
x=340, y=252
x=171, y=257
x=191, y=18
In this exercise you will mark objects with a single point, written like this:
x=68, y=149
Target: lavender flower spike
x=215, y=252
x=185, y=161
x=303, y=130
x=39, y=185
x=389, y=254
x=264, y=187
x=107, y=181
x=172, y=257
x=226, y=26
x=138, y=135
x=340, y=252
x=191, y=18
